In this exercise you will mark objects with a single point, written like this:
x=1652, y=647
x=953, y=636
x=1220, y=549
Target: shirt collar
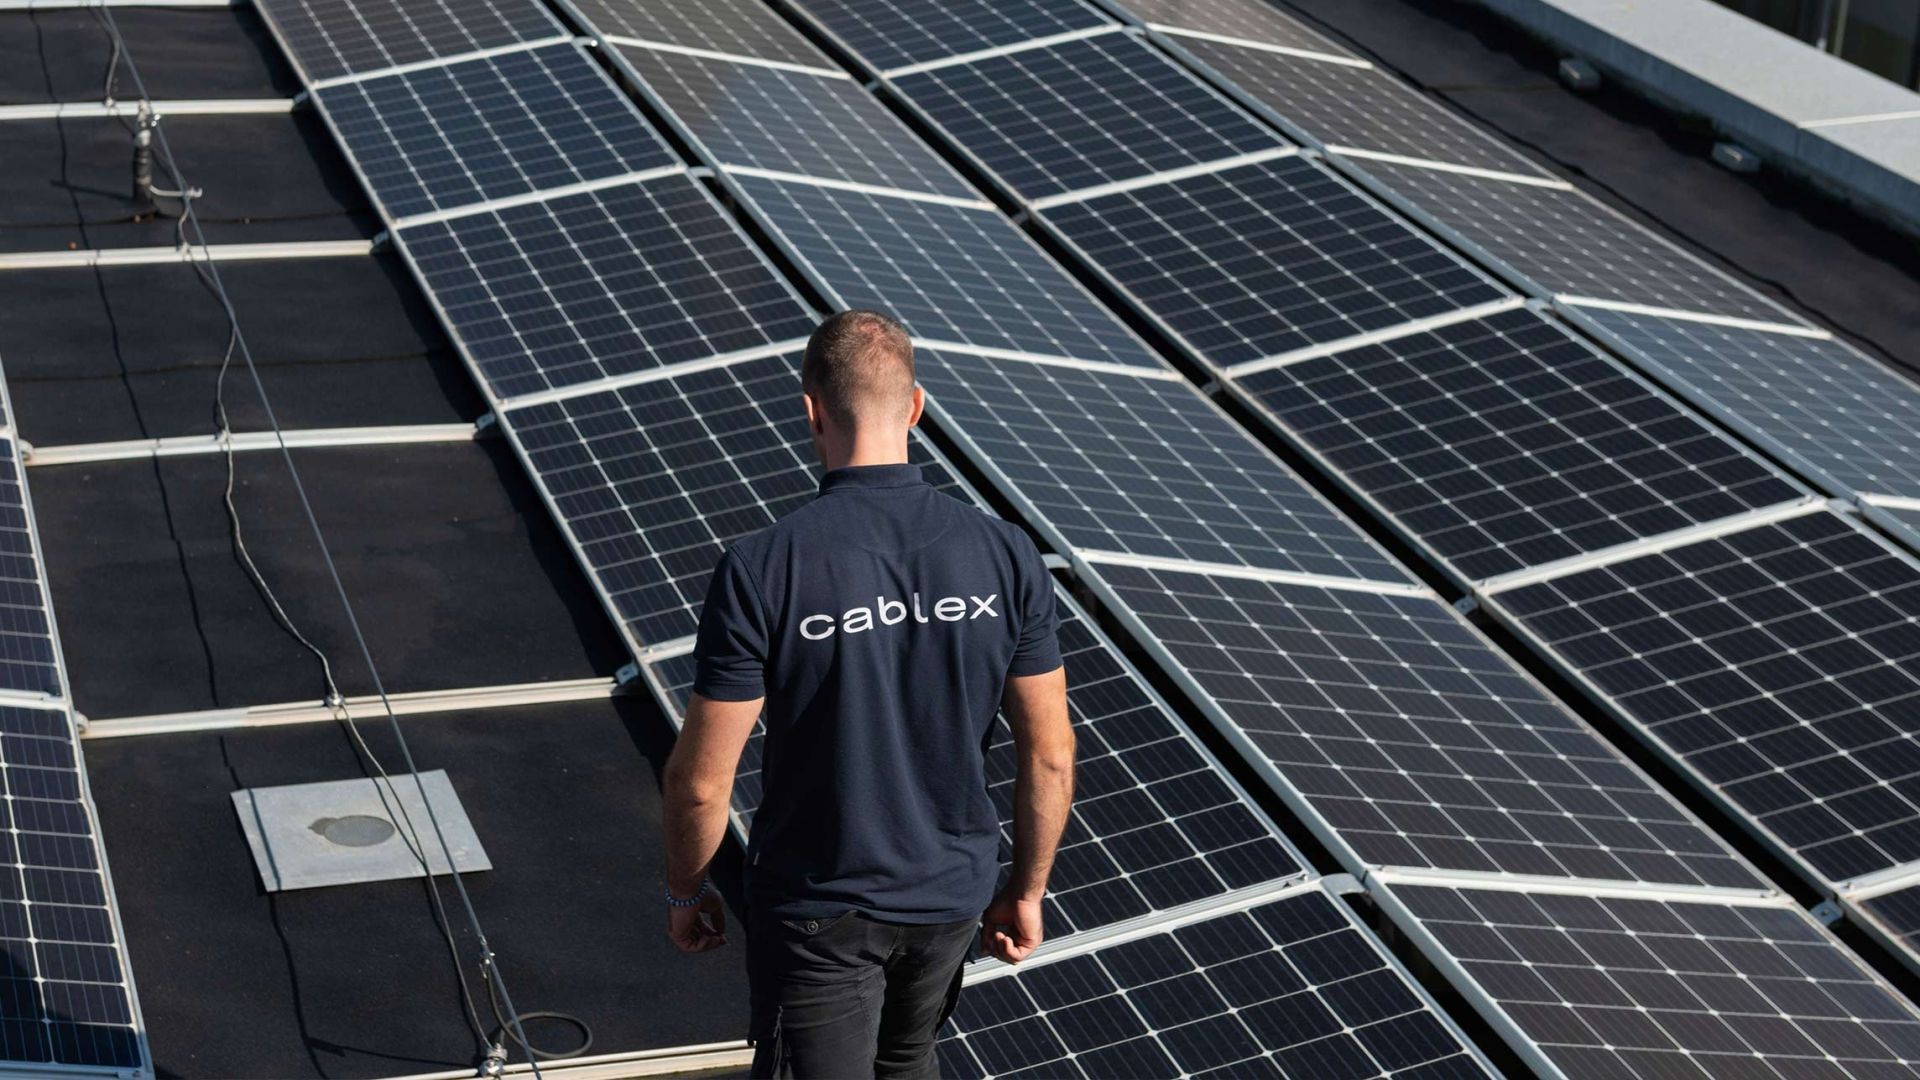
x=864, y=477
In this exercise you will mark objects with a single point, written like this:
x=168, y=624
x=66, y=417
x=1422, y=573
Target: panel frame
x=1381, y=891
x=1704, y=401
x=1509, y=274
x=887, y=84
x=292, y=56
x=1030, y=511
x=1233, y=903
x=393, y=222
x=1169, y=39
x=631, y=75
x=1875, y=509
x=1087, y=572
x=1487, y=599
x=1230, y=385
x=64, y=706
x=1187, y=348
x=816, y=281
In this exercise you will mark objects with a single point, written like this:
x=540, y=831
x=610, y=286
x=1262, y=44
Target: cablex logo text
x=894, y=612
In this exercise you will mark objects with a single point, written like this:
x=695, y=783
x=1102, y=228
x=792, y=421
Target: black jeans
x=849, y=996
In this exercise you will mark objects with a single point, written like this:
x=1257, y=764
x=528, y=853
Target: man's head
x=857, y=377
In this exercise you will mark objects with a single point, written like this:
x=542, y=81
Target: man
x=882, y=625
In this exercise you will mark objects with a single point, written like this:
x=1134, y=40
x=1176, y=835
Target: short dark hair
x=858, y=365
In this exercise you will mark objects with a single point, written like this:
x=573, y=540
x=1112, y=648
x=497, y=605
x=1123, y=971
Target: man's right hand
x=1010, y=929
x=697, y=929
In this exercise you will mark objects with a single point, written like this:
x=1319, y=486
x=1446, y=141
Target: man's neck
x=875, y=452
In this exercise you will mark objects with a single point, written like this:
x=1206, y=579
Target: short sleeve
x=1038, y=650
x=730, y=651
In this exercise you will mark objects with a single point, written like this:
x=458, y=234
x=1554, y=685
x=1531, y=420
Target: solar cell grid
x=893, y=33
x=1607, y=987
x=789, y=121
x=1505, y=442
x=1565, y=242
x=1902, y=521
x=1291, y=988
x=1249, y=20
x=27, y=660
x=602, y=283
x=950, y=273
x=1254, y=261
x=734, y=27
x=332, y=38
x=1359, y=107
x=64, y=997
x=1898, y=914
x=1141, y=466
x=654, y=481
x=1848, y=416
x=1082, y=113
x=490, y=128
x=1155, y=823
x=1781, y=663
x=1411, y=738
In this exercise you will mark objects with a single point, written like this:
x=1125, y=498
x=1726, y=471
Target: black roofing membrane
x=62, y=55
x=114, y=353
x=264, y=179
x=353, y=980
x=456, y=572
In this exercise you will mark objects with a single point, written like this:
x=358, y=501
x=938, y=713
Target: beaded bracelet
x=691, y=901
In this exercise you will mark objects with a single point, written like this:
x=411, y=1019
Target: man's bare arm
x=697, y=788
x=1036, y=707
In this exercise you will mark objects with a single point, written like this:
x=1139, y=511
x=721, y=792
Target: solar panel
x=950, y=273
x=654, y=481
x=1848, y=417
x=1141, y=466
x=1249, y=20
x=1505, y=442
x=1082, y=113
x=1896, y=915
x=602, y=283
x=1156, y=822
x=1254, y=261
x=1901, y=520
x=1564, y=242
x=64, y=998
x=789, y=121
x=332, y=38
x=892, y=33
x=1410, y=740
x=1291, y=987
x=28, y=663
x=1781, y=663
x=734, y=27
x=1348, y=106
x=1602, y=986
x=490, y=128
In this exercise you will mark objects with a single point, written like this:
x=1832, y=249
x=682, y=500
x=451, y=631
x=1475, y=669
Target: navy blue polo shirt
x=881, y=622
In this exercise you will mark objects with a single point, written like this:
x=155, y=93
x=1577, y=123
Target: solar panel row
x=1156, y=823
x=66, y=995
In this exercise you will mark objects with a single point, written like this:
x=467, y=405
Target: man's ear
x=815, y=414
x=919, y=406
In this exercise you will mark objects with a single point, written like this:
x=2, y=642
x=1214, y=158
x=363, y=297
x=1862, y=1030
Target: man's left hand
x=697, y=929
